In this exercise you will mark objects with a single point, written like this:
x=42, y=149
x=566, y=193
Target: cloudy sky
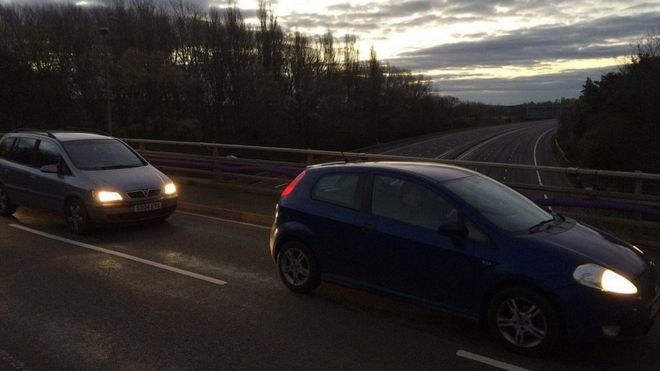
x=499, y=51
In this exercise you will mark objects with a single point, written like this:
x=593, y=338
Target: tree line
x=175, y=71
x=616, y=124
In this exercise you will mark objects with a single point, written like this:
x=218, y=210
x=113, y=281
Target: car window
x=23, y=151
x=410, y=203
x=339, y=189
x=498, y=203
x=101, y=154
x=5, y=147
x=47, y=154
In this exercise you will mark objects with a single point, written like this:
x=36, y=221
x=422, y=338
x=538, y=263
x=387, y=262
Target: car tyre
x=524, y=321
x=298, y=267
x=77, y=218
x=6, y=206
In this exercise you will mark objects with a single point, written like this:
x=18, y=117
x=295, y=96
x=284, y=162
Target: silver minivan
x=91, y=178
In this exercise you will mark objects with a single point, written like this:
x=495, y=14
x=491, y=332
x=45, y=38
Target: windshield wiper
x=537, y=227
x=116, y=167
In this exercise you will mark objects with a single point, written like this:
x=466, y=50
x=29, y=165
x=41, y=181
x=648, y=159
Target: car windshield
x=101, y=154
x=498, y=203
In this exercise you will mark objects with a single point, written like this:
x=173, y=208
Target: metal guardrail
x=255, y=166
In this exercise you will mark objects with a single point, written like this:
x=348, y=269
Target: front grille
x=146, y=193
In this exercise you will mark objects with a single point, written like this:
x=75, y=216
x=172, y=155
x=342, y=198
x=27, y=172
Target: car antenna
x=344, y=157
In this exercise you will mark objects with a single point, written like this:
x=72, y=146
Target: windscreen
x=101, y=154
x=498, y=203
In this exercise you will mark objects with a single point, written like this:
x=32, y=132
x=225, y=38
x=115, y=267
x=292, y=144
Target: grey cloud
x=534, y=45
x=516, y=90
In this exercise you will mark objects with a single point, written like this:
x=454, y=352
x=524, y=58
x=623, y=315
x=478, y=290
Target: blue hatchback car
x=452, y=239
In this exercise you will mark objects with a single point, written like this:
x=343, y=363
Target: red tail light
x=287, y=191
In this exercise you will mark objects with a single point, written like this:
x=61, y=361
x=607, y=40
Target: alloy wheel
x=295, y=267
x=521, y=322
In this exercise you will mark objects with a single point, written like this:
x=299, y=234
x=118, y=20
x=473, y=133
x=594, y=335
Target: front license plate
x=148, y=207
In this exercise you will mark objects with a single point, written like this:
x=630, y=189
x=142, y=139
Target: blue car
x=454, y=240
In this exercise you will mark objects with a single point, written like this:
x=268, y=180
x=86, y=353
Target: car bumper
x=126, y=212
x=593, y=315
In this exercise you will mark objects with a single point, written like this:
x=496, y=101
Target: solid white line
x=538, y=174
x=489, y=361
x=223, y=220
x=121, y=255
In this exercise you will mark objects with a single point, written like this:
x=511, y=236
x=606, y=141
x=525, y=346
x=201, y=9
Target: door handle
x=368, y=228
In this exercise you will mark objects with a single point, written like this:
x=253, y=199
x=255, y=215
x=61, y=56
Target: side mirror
x=456, y=231
x=50, y=169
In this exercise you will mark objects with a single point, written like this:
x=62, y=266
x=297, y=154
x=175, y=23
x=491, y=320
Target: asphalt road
x=202, y=293
x=528, y=143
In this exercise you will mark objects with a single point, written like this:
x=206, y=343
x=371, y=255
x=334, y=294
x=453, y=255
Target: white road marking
x=478, y=146
x=224, y=220
x=489, y=361
x=121, y=255
x=538, y=174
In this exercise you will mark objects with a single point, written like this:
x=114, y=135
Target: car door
x=332, y=216
x=407, y=254
x=49, y=188
x=18, y=172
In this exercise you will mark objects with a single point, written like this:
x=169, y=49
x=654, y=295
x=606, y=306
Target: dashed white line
x=223, y=220
x=478, y=146
x=183, y=272
x=489, y=361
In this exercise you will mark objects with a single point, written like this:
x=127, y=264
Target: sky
x=499, y=51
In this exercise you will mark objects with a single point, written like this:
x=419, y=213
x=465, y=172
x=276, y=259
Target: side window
x=48, y=154
x=475, y=234
x=5, y=147
x=23, y=151
x=338, y=189
x=410, y=203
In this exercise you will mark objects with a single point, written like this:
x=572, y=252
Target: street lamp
x=103, y=32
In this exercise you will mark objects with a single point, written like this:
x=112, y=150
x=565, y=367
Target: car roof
x=430, y=170
x=60, y=135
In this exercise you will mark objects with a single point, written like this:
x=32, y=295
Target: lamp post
x=103, y=32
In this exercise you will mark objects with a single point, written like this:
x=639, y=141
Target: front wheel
x=77, y=218
x=6, y=207
x=298, y=267
x=524, y=321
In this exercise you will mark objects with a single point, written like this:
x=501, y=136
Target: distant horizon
x=504, y=52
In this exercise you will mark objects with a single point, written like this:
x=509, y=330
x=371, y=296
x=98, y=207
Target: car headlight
x=106, y=196
x=170, y=189
x=603, y=279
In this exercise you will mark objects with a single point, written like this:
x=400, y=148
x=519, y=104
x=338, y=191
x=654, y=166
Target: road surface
x=199, y=293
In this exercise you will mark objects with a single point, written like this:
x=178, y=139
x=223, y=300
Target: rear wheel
x=77, y=218
x=298, y=267
x=524, y=321
x=6, y=207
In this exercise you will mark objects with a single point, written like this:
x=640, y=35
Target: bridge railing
x=629, y=199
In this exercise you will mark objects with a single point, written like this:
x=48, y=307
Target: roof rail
x=84, y=130
x=35, y=131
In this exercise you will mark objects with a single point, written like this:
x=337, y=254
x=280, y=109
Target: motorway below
x=527, y=143
x=198, y=292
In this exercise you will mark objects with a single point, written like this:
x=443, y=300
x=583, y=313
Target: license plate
x=148, y=207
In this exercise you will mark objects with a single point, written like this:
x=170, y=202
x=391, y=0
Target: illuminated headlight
x=170, y=189
x=105, y=196
x=603, y=279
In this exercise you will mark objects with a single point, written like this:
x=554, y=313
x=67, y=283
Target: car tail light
x=287, y=191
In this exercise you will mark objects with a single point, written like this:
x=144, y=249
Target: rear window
x=101, y=154
x=5, y=146
x=338, y=189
